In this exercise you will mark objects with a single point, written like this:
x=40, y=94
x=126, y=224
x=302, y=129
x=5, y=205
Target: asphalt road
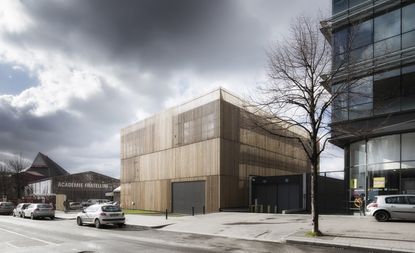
x=25, y=235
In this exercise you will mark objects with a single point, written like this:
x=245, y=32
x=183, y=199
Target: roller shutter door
x=186, y=195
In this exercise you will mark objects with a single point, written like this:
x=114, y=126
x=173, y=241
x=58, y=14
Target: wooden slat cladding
x=209, y=139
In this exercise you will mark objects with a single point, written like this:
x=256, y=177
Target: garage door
x=186, y=195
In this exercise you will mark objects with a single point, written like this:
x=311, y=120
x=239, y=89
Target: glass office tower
x=373, y=44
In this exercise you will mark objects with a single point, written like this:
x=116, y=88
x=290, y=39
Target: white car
x=101, y=214
x=18, y=211
x=39, y=210
x=387, y=207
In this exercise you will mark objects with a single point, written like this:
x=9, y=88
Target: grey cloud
x=208, y=38
x=150, y=35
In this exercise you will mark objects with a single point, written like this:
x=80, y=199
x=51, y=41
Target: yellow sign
x=379, y=182
x=353, y=183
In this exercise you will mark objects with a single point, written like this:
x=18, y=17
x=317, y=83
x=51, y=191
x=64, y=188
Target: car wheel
x=79, y=221
x=32, y=216
x=52, y=217
x=120, y=225
x=382, y=216
x=97, y=223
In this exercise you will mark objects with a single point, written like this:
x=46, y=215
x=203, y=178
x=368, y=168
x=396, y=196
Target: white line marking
x=11, y=245
x=32, y=238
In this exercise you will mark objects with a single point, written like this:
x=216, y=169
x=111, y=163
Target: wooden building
x=201, y=154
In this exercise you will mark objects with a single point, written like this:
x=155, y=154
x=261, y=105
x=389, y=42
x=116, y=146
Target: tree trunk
x=314, y=197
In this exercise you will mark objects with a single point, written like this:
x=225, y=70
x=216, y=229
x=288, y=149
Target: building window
x=387, y=46
x=362, y=34
x=408, y=18
x=360, y=98
x=383, y=149
x=387, y=25
x=208, y=126
x=339, y=6
x=386, y=92
x=408, y=88
x=408, y=39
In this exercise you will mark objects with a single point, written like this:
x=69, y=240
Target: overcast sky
x=73, y=73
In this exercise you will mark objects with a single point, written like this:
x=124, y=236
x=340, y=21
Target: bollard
x=262, y=208
x=193, y=211
x=275, y=209
x=268, y=209
x=166, y=213
x=204, y=210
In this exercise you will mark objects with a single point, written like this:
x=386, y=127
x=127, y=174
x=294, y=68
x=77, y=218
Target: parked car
x=387, y=207
x=39, y=210
x=75, y=206
x=101, y=214
x=18, y=211
x=6, y=208
x=90, y=202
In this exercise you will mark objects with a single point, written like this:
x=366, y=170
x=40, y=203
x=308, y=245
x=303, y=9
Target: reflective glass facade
x=383, y=165
x=373, y=42
x=389, y=35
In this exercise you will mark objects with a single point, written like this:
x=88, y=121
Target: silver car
x=18, y=211
x=6, y=208
x=387, y=207
x=101, y=214
x=39, y=210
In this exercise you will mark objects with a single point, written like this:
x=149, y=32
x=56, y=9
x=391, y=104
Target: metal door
x=288, y=197
x=186, y=195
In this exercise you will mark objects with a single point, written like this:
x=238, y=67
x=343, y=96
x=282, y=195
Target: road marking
x=11, y=245
x=28, y=237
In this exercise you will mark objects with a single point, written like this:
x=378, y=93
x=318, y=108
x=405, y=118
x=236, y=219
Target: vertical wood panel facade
x=206, y=139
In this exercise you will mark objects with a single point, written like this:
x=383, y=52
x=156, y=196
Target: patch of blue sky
x=15, y=79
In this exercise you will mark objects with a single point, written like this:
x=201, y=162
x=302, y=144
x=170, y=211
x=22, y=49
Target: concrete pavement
x=341, y=231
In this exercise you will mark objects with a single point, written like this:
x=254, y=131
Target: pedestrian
x=66, y=206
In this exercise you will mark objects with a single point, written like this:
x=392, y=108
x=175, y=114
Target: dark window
x=339, y=5
x=411, y=200
x=396, y=200
x=111, y=209
x=339, y=61
x=408, y=39
x=361, y=91
x=361, y=34
x=408, y=88
x=386, y=92
x=355, y=2
x=361, y=54
x=387, y=46
x=388, y=25
x=408, y=18
x=340, y=41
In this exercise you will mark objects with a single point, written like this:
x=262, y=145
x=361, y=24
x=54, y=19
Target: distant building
x=48, y=178
x=203, y=155
x=43, y=167
x=76, y=187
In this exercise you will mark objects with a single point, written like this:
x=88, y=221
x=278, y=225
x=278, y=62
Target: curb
x=348, y=246
x=60, y=218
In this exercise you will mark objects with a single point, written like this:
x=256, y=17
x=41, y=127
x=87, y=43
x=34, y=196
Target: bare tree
x=16, y=165
x=4, y=179
x=297, y=96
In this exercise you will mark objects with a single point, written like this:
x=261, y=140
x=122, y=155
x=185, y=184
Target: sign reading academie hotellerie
x=83, y=185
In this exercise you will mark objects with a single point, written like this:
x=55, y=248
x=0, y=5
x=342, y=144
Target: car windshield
x=111, y=209
x=7, y=204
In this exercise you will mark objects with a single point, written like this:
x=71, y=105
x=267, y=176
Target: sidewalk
x=339, y=231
